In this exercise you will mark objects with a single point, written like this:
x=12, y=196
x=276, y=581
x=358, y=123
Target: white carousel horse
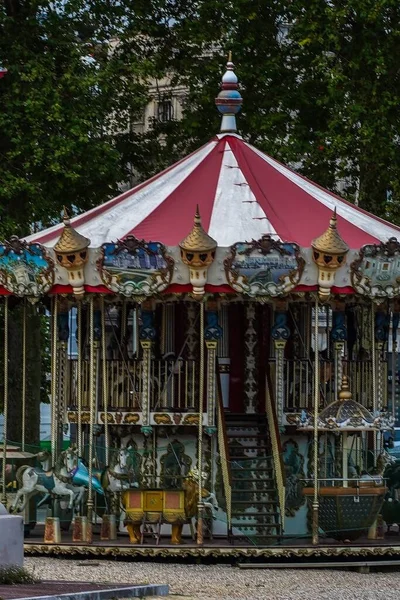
x=115, y=478
x=48, y=479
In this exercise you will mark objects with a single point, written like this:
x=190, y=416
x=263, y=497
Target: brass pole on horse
x=23, y=424
x=92, y=399
x=105, y=382
x=200, y=505
x=54, y=415
x=315, y=506
x=79, y=377
x=5, y=401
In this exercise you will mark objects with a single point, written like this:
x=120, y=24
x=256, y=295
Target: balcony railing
x=299, y=383
x=173, y=385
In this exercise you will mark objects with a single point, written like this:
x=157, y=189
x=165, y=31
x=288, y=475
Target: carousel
x=220, y=340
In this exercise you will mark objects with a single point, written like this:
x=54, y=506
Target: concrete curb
x=135, y=591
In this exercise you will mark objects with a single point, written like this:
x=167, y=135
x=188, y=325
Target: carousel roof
x=242, y=194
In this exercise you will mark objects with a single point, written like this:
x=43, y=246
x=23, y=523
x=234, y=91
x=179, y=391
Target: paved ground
x=201, y=582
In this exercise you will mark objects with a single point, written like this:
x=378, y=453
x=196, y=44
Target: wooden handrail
x=223, y=423
x=276, y=444
x=224, y=452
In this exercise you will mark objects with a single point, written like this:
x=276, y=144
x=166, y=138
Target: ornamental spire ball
x=229, y=101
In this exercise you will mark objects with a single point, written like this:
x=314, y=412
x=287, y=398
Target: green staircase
x=255, y=506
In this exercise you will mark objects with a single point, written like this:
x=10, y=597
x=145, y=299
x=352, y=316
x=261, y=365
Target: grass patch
x=16, y=575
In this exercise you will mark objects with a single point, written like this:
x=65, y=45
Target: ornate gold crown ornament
x=72, y=254
x=329, y=254
x=198, y=253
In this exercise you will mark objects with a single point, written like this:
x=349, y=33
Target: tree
x=67, y=96
x=350, y=49
x=68, y=93
x=323, y=98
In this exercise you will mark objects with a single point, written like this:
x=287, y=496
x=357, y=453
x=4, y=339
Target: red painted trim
x=68, y=289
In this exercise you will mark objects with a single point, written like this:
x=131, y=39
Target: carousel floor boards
x=220, y=548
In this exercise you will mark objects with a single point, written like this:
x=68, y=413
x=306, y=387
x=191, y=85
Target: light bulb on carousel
x=198, y=253
x=72, y=254
x=329, y=254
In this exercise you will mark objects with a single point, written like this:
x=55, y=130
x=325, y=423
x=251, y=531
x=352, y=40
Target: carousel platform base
x=288, y=549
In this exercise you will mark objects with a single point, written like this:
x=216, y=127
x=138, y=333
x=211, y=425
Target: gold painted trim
x=216, y=552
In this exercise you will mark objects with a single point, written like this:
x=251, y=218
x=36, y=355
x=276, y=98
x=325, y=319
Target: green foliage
x=67, y=94
x=323, y=98
x=16, y=575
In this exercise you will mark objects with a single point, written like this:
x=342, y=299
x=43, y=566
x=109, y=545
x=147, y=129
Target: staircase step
x=250, y=434
x=236, y=513
x=253, y=490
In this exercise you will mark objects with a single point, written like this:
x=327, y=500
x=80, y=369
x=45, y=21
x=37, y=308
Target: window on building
x=165, y=111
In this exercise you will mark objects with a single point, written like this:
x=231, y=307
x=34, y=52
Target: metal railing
x=172, y=385
x=299, y=382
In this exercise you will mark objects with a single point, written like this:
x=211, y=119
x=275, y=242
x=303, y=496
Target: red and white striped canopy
x=242, y=194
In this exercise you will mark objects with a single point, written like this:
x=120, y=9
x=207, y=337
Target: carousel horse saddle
x=81, y=477
x=45, y=479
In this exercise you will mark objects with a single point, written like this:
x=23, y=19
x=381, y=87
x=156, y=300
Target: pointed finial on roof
x=345, y=393
x=229, y=100
x=198, y=239
x=66, y=219
x=331, y=242
x=70, y=240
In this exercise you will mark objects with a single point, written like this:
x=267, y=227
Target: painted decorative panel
x=25, y=269
x=294, y=471
x=133, y=267
x=376, y=273
x=264, y=267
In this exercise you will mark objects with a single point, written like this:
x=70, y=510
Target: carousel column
x=395, y=325
x=192, y=344
x=200, y=504
x=339, y=337
x=105, y=383
x=224, y=360
x=92, y=406
x=79, y=343
x=280, y=334
x=212, y=334
x=62, y=350
x=147, y=335
x=5, y=404
x=315, y=505
x=250, y=369
x=380, y=338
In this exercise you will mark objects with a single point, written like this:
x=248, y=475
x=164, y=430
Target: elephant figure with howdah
x=175, y=507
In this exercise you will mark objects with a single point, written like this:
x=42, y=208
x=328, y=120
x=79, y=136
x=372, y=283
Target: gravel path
x=201, y=582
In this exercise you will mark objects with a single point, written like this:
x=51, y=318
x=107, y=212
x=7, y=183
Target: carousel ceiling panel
x=242, y=194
